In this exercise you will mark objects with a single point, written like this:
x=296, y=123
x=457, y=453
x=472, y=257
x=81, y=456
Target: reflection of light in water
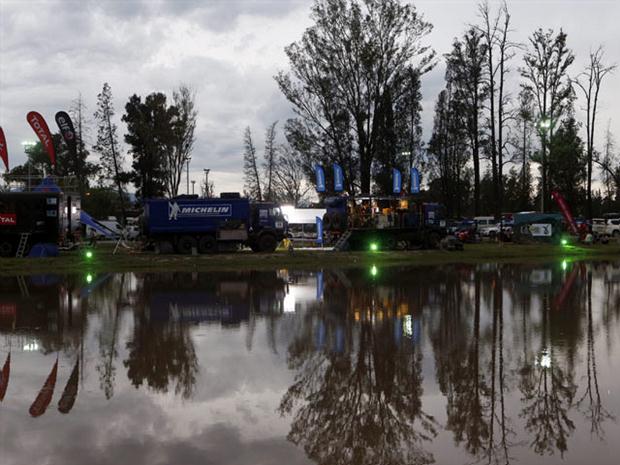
x=374, y=271
x=89, y=278
x=564, y=265
x=289, y=302
x=407, y=326
x=299, y=295
x=545, y=359
x=31, y=347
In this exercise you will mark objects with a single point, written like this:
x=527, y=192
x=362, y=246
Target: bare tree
x=207, y=188
x=178, y=155
x=251, y=176
x=270, y=161
x=467, y=61
x=610, y=166
x=499, y=51
x=289, y=177
x=589, y=81
x=107, y=142
x=522, y=142
x=545, y=72
x=77, y=112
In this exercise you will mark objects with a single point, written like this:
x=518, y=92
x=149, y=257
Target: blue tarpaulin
x=43, y=250
x=47, y=185
x=88, y=220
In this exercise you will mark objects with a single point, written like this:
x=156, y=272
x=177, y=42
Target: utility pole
x=193, y=186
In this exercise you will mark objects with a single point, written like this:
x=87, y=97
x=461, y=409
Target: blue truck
x=207, y=225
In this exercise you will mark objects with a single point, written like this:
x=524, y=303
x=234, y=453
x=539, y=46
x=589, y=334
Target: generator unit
x=28, y=218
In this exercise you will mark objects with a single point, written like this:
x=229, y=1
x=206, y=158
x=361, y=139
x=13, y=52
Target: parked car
x=504, y=230
x=606, y=227
x=599, y=226
x=486, y=224
x=613, y=227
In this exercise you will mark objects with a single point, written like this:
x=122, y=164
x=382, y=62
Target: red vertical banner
x=4, y=153
x=39, y=126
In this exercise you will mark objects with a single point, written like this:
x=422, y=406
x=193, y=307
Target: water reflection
x=456, y=364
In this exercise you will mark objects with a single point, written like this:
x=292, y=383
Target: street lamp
x=193, y=185
x=544, y=124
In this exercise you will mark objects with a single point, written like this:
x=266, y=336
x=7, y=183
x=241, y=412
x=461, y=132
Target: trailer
x=383, y=223
x=28, y=218
x=189, y=223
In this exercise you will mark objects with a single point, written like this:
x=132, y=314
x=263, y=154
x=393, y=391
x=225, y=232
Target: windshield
x=276, y=212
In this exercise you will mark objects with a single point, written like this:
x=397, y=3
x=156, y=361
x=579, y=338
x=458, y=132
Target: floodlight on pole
x=544, y=124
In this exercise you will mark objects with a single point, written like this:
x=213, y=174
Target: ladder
x=23, y=287
x=21, y=248
x=342, y=240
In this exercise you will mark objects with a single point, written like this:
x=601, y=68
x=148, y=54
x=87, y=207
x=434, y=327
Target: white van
x=485, y=224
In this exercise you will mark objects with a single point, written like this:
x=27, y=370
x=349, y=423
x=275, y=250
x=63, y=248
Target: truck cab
x=267, y=227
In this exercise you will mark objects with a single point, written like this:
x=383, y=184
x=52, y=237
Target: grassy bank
x=103, y=260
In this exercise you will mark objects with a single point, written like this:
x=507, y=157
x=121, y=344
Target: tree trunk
x=116, y=172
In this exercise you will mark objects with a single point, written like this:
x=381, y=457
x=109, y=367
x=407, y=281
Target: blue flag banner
x=320, y=178
x=338, y=178
x=397, y=181
x=319, y=285
x=415, y=181
x=319, y=230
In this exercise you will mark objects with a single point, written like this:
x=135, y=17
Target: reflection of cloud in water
x=461, y=345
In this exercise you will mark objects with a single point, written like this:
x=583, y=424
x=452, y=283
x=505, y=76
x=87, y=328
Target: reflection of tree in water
x=472, y=379
x=590, y=402
x=161, y=351
x=162, y=354
x=110, y=309
x=547, y=392
x=362, y=405
x=458, y=367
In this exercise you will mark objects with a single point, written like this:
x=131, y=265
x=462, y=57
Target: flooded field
x=454, y=364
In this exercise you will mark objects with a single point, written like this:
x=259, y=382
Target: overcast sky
x=228, y=51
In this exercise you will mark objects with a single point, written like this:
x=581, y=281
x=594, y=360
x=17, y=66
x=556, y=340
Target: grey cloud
x=43, y=65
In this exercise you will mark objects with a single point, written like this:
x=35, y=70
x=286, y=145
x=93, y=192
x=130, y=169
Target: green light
x=564, y=265
x=89, y=278
x=374, y=246
x=374, y=271
x=89, y=254
x=564, y=242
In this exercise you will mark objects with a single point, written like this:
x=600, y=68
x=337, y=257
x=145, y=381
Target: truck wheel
x=6, y=249
x=164, y=248
x=207, y=244
x=327, y=224
x=267, y=243
x=186, y=243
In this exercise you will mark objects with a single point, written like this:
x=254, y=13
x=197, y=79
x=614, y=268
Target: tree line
x=506, y=131
x=160, y=139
